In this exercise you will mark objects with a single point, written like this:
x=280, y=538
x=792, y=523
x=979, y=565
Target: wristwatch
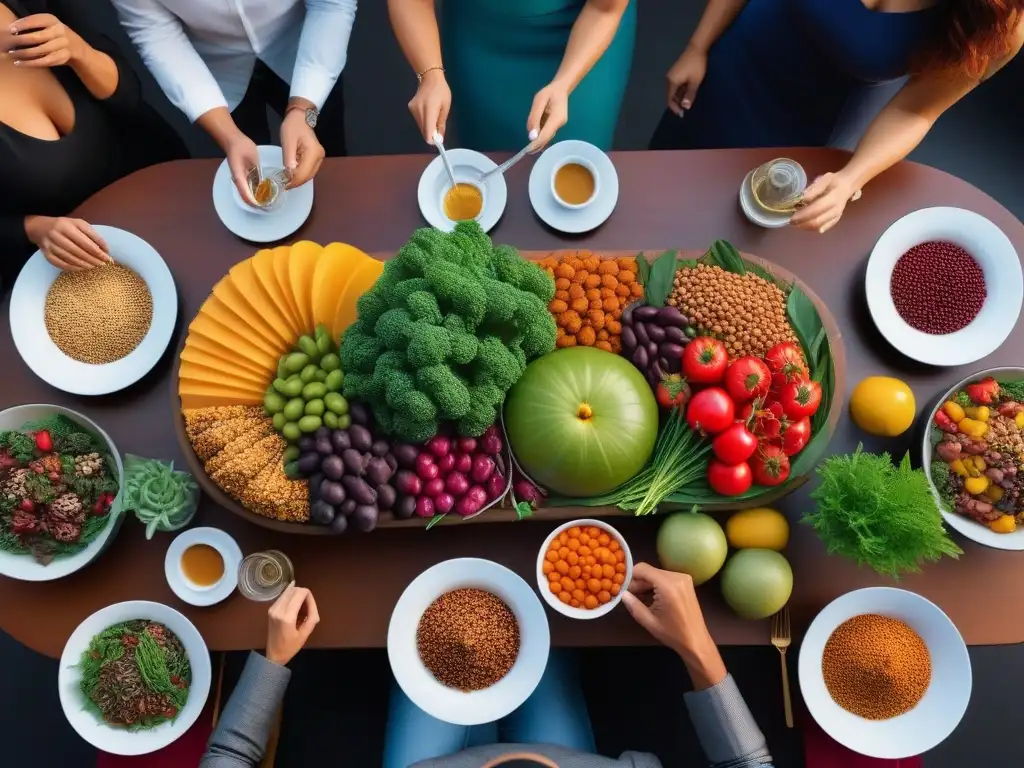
x=312, y=114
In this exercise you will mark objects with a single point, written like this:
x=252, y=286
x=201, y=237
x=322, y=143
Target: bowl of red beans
x=944, y=286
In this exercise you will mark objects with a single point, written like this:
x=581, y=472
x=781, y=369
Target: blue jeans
x=555, y=714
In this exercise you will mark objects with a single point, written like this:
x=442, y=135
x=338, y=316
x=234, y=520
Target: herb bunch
x=878, y=513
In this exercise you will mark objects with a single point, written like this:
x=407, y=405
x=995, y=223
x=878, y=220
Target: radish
x=495, y=486
x=439, y=445
x=474, y=500
x=443, y=503
x=434, y=488
x=426, y=468
x=527, y=491
x=456, y=484
x=463, y=463
x=491, y=441
x=424, y=507
x=407, y=483
x=446, y=463
x=466, y=444
x=483, y=468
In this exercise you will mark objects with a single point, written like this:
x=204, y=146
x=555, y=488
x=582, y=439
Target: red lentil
x=938, y=287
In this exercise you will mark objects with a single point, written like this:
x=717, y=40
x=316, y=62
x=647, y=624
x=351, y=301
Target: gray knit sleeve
x=240, y=739
x=725, y=727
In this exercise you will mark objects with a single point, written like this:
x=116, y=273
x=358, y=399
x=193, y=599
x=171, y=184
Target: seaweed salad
x=136, y=674
x=57, y=482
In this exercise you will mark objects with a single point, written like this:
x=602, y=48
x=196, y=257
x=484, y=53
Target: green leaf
x=723, y=254
x=659, y=283
x=643, y=269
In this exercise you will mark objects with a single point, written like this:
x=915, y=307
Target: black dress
x=110, y=139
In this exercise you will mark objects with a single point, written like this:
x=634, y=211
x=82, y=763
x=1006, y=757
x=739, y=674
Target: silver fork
x=781, y=639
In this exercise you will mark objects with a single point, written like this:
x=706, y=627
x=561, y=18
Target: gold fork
x=781, y=638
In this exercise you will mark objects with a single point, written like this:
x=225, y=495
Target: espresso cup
x=584, y=163
x=203, y=587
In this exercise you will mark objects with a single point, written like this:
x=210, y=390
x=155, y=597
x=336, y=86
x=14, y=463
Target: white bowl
x=568, y=610
x=944, y=702
x=33, y=342
x=1003, y=282
x=188, y=591
x=121, y=741
x=449, y=704
x=467, y=166
x=972, y=530
x=24, y=567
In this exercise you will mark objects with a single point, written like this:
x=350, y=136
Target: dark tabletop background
x=336, y=706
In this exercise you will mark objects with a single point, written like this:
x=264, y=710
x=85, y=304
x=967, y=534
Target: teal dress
x=499, y=53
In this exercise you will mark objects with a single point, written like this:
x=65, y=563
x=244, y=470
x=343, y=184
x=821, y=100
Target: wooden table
x=667, y=200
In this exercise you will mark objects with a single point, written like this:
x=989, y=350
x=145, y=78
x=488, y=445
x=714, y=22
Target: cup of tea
x=463, y=202
x=575, y=182
x=202, y=565
x=266, y=187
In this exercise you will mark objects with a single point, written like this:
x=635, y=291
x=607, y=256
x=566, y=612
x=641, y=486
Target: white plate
x=467, y=166
x=939, y=711
x=568, y=610
x=423, y=688
x=756, y=214
x=972, y=530
x=121, y=741
x=28, y=327
x=25, y=567
x=255, y=225
x=573, y=220
x=182, y=587
x=1003, y=280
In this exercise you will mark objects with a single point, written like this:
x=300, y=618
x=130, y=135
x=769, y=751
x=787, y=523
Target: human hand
x=303, y=153
x=40, y=41
x=550, y=111
x=68, y=244
x=431, y=104
x=292, y=620
x=824, y=201
x=242, y=156
x=684, y=78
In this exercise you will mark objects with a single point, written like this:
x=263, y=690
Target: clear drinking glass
x=779, y=185
x=275, y=179
x=263, y=576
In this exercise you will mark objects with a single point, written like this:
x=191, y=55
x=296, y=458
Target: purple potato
x=358, y=489
x=405, y=507
x=628, y=339
x=662, y=363
x=406, y=455
x=378, y=471
x=392, y=462
x=332, y=492
x=364, y=517
x=655, y=332
x=322, y=432
x=670, y=317
x=307, y=443
x=657, y=372
x=321, y=513
x=355, y=464
x=379, y=448
x=675, y=335
x=360, y=414
x=314, y=486
x=627, y=314
x=645, y=313
x=642, y=339
x=348, y=507
x=670, y=350
x=309, y=463
x=652, y=349
x=340, y=523
x=361, y=437
x=333, y=467
x=386, y=497
x=640, y=358
x=340, y=440
x=324, y=446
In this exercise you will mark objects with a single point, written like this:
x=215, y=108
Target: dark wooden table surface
x=667, y=200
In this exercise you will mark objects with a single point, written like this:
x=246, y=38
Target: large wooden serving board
x=504, y=513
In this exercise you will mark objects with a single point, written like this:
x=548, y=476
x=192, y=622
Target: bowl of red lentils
x=583, y=568
x=944, y=286
x=885, y=672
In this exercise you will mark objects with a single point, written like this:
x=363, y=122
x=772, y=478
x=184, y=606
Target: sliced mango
x=194, y=356
x=226, y=316
x=228, y=358
x=263, y=268
x=229, y=377
x=301, y=268
x=204, y=395
x=212, y=329
x=361, y=280
x=333, y=269
x=282, y=259
x=244, y=294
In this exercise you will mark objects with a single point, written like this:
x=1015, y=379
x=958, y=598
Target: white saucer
x=467, y=166
x=33, y=342
x=203, y=596
x=755, y=213
x=261, y=226
x=557, y=216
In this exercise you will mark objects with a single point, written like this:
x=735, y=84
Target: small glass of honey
x=267, y=187
x=463, y=202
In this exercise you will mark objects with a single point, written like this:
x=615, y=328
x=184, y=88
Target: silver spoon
x=512, y=160
x=439, y=143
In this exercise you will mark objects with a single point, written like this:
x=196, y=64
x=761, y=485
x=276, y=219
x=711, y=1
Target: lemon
x=883, y=406
x=758, y=528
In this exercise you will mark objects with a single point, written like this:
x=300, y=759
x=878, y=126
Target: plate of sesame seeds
x=99, y=330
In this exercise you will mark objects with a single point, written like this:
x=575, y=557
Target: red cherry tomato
x=785, y=354
x=704, y=360
x=795, y=436
x=711, y=410
x=800, y=398
x=672, y=392
x=770, y=465
x=729, y=479
x=747, y=378
x=735, y=444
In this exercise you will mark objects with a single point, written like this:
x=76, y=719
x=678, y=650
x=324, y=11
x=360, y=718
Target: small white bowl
x=591, y=168
x=467, y=166
x=1004, y=284
x=187, y=590
x=568, y=610
x=121, y=741
x=449, y=704
x=944, y=702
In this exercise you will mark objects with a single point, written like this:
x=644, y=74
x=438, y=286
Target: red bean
x=938, y=287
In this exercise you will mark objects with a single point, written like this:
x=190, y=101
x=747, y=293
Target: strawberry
x=43, y=441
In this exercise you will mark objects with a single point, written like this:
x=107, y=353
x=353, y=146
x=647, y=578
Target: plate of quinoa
x=944, y=286
x=885, y=672
x=99, y=330
x=973, y=455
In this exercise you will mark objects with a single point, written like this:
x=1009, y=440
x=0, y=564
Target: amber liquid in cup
x=263, y=576
x=202, y=565
x=463, y=202
x=574, y=184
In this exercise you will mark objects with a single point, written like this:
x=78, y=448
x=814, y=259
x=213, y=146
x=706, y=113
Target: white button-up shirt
x=202, y=52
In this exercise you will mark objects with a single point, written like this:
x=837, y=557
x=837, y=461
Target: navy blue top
x=783, y=71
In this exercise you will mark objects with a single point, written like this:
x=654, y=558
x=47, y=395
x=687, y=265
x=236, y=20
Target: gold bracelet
x=420, y=75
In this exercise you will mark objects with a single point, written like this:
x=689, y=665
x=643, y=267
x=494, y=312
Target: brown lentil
x=98, y=315
x=468, y=639
x=876, y=667
x=746, y=312
x=937, y=287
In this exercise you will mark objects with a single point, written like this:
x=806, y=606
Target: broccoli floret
x=392, y=329
x=449, y=392
x=458, y=289
x=502, y=300
x=423, y=306
x=371, y=305
x=413, y=431
x=400, y=291
x=417, y=407
x=428, y=345
x=495, y=364
x=522, y=273
x=360, y=350
x=358, y=386
x=483, y=411
x=383, y=417
x=464, y=344
x=399, y=385
x=537, y=326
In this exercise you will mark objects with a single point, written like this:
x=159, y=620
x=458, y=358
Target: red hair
x=969, y=34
